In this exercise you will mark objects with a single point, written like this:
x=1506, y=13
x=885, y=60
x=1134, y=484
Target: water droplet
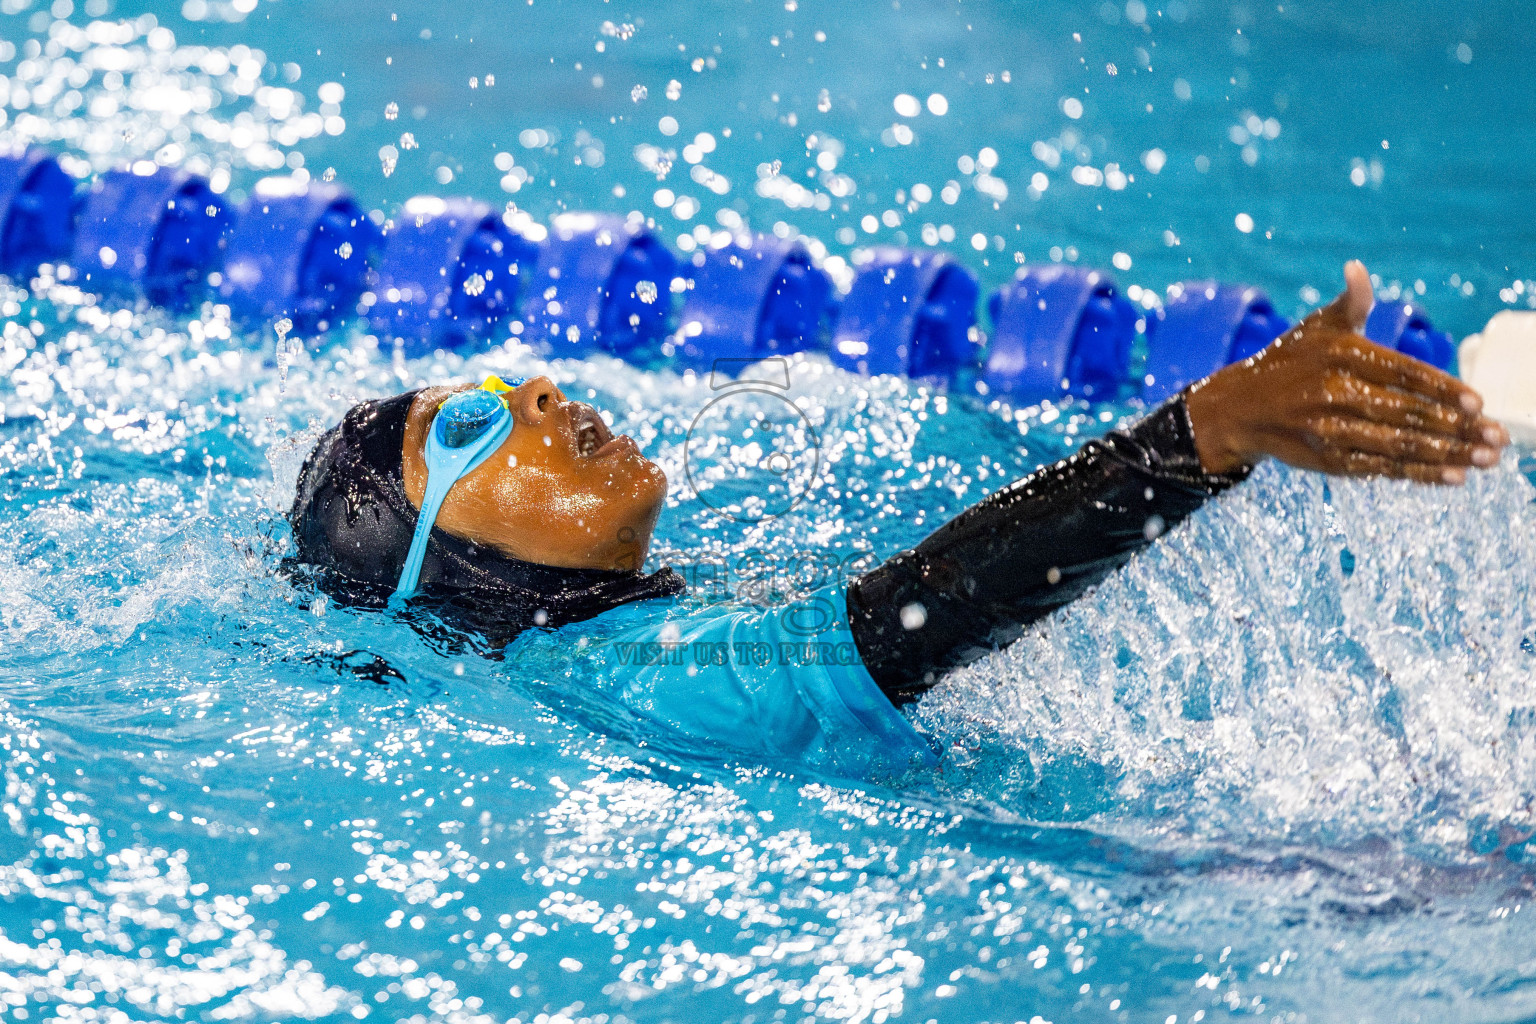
x=344, y=250
x=282, y=327
x=639, y=93
x=329, y=175
x=391, y=110
x=407, y=141
x=645, y=291
x=474, y=284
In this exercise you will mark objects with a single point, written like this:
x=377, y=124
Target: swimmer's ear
x=1348, y=312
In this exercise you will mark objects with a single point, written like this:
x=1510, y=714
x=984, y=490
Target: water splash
x=1341, y=658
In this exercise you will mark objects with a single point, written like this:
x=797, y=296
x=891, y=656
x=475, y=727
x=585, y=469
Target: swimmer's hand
x=1322, y=397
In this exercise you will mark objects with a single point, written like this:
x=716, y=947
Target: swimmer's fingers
x=1401, y=445
x=1314, y=453
x=1311, y=450
x=1391, y=407
x=1366, y=464
x=1386, y=368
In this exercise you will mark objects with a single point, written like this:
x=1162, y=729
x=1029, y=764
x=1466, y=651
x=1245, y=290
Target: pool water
x=1280, y=768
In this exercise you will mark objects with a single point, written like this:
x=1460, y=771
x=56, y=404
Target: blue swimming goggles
x=466, y=429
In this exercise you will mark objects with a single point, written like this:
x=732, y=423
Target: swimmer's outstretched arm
x=1321, y=397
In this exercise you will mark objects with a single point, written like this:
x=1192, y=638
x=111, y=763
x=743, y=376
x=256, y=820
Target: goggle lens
x=466, y=416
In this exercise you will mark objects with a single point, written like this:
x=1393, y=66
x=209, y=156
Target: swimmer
x=536, y=515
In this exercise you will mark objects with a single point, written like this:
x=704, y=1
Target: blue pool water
x=1280, y=768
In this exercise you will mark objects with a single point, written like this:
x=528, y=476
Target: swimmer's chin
x=625, y=450
x=655, y=482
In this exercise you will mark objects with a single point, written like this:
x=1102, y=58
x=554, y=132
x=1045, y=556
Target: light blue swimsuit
x=783, y=682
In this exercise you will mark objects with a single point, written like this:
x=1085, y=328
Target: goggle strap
x=431, y=503
x=453, y=465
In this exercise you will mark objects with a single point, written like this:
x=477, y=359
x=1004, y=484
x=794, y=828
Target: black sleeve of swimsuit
x=1025, y=551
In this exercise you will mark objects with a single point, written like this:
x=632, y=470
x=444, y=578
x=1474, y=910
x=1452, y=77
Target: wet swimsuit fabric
x=1026, y=550
x=781, y=684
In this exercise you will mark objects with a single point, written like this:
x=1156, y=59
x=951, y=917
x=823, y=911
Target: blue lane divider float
x=910, y=311
x=448, y=273
x=1406, y=327
x=150, y=231
x=297, y=252
x=451, y=272
x=602, y=282
x=752, y=300
x=1204, y=326
x=36, y=198
x=1058, y=329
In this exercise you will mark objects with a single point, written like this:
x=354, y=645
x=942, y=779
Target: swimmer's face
x=561, y=490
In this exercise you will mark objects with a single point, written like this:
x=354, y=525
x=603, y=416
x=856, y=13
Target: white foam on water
x=1343, y=656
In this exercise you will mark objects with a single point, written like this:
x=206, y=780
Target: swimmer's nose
x=534, y=399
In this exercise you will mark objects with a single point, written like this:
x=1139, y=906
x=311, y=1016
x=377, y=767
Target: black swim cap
x=353, y=524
